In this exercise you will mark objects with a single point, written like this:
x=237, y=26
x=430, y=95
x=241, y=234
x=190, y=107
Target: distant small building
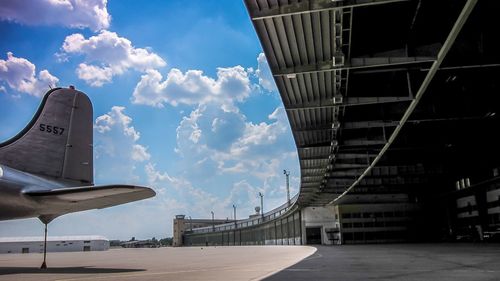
x=140, y=244
x=183, y=224
x=26, y=245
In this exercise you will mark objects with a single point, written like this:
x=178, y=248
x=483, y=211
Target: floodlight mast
x=287, y=174
x=262, y=204
x=213, y=222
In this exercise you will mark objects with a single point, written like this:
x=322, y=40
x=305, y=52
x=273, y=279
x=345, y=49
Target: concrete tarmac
x=406, y=262
x=190, y=263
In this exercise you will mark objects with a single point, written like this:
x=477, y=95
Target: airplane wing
x=61, y=201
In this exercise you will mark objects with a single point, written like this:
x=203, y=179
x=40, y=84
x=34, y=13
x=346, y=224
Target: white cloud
x=192, y=87
x=113, y=54
x=94, y=75
x=264, y=74
x=117, y=147
x=243, y=194
x=117, y=117
x=190, y=200
x=226, y=143
x=140, y=153
x=19, y=74
x=70, y=13
x=264, y=133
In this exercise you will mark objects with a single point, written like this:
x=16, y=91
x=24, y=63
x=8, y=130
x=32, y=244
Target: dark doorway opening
x=313, y=235
x=86, y=248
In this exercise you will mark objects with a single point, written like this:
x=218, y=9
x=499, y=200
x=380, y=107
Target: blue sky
x=183, y=102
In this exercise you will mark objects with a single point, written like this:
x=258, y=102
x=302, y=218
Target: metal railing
x=270, y=215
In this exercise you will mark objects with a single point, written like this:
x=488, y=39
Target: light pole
x=213, y=223
x=287, y=174
x=235, y=223
x=191, y=223
x=262, y=204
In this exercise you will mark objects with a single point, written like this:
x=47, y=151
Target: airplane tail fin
x=57, y=142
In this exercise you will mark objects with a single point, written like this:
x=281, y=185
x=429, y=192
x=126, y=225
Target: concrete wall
x=493, y=196
x=179, y=228
x=323, y=217
x=284, y=230
x=376, y=223
x=464, y=202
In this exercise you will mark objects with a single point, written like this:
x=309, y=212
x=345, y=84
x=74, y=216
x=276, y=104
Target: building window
x=368, y=224
x=346, y=215
x=388, y=214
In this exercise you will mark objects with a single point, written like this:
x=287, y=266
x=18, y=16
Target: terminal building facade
x=394, y=108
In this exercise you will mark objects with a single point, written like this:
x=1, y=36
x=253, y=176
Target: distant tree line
x=160, y=243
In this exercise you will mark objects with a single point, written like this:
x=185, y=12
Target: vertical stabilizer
x=58, y=141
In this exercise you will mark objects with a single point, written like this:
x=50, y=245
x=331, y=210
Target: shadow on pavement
x=66, y=270
x=415, y=262
x=306, y=269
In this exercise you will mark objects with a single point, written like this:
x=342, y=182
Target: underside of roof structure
x=385, y=96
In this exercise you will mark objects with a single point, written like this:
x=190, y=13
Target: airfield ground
x=359, y=262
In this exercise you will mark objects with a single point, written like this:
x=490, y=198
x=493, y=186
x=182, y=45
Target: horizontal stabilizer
x=73, y=199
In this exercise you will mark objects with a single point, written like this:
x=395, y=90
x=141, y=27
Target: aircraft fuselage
x=13, y=184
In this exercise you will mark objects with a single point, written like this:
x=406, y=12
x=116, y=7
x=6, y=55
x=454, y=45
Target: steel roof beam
x=354, y=63
x=313, y=169
x=316, y=157
x=346, y=144
x=353, y=101
x=313, y=145
x=450, y=40
x=312, y=161
x=352, y=125
x=343, y=166
x=312, y=6
x=362, y=142
x=318, y=166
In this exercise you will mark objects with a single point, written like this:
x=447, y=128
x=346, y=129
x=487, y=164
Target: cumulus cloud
x=117, y=117
x=192, y=87
x=116, y=142
x=243, y=194
x=189, y=199
x=94, y=75
x=265, y=133
x=19, y=74
x=113, y=55
x=140, y=153
x=70, y=13
x=264, y=74
x=226, y=143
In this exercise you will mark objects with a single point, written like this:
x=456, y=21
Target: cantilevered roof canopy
x=385, y=96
